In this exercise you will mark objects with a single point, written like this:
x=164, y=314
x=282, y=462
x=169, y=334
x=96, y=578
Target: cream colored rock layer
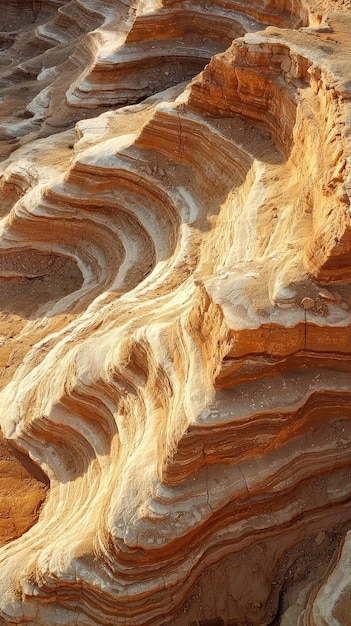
x=175, y=288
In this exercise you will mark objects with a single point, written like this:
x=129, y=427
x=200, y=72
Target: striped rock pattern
x=175, y=326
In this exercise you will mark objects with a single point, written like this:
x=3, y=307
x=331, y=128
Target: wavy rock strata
x=175, y=253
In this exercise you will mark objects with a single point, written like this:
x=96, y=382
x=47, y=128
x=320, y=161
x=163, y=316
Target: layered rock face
x=175, y=254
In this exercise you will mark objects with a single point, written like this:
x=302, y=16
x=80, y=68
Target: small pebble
x=326, y=295
x=320, y=538
x=285, y=305
x=308, y=303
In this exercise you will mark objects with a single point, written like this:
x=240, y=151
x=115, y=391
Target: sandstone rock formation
x=175, y=255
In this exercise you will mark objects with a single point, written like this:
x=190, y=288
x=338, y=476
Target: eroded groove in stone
x=175, y=312
x=23, y=488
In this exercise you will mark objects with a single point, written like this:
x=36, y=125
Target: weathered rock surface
x=175, y=325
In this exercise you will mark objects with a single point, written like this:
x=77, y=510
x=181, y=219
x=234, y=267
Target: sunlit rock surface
x=175, y=325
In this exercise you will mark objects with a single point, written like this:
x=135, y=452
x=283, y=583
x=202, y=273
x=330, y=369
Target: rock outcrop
x=175, y=254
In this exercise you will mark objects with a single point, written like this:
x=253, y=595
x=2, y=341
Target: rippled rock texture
x=175, y=326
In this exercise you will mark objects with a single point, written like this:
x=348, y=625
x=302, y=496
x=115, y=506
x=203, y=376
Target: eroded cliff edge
x=175, y=312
